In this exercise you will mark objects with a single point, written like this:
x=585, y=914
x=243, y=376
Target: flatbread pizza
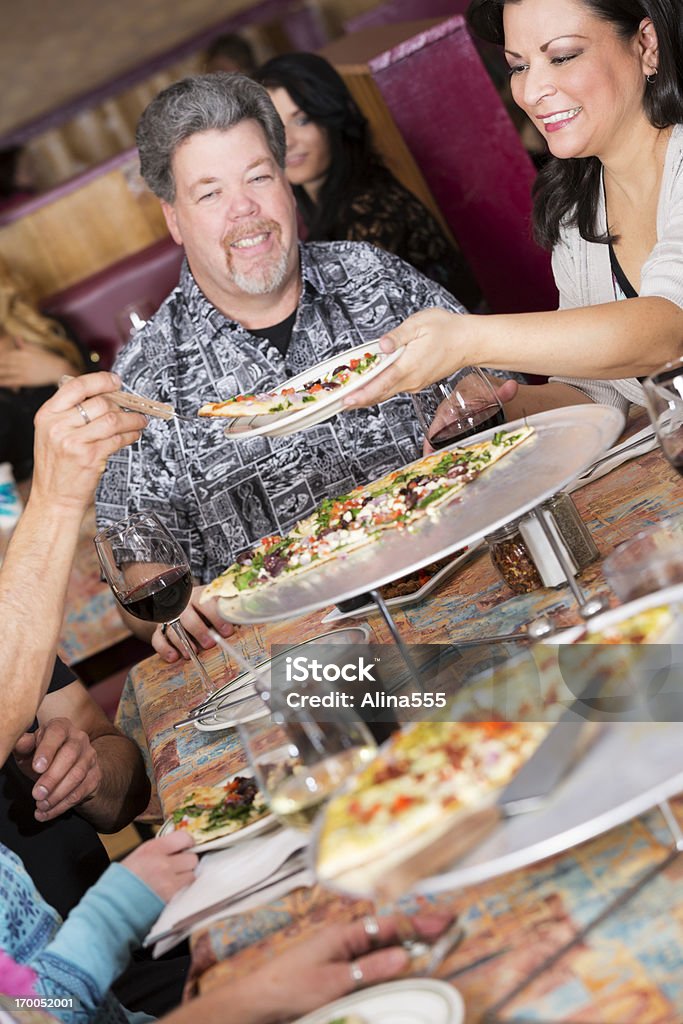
x=212, y=811
x=288, y=399
x=425, y=779
x=353, y=520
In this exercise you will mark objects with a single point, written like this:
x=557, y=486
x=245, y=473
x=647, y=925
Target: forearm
x=33, y=583
x=531, y=398
x=124, y=789
x=94, y=944
x=631, y=338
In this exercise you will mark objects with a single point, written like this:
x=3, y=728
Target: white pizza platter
x=565, y=443
x=412, y=1001
x=326, y=404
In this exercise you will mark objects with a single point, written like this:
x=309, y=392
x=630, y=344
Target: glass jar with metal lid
x=572, y=528
x=512, y=559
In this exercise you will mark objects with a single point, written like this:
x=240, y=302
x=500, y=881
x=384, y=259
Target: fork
x=133, y=402
x=130, y=400
x=617, y=451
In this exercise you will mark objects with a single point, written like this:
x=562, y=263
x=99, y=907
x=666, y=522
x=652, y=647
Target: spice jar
x=574, y=531
x=512, y=559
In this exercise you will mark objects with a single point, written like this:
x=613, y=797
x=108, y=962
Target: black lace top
x=388, y=215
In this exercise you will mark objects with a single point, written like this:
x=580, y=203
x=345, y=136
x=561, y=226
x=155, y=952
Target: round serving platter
x=565, y=443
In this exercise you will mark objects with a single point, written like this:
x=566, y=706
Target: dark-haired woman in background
x=342, y=188
x=603, y=79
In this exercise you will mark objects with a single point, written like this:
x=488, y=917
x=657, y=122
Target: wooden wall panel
x=83, y=231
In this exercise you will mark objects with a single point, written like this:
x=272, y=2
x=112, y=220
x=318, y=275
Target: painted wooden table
x=629, y=970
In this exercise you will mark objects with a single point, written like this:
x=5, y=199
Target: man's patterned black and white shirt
x=219, y=496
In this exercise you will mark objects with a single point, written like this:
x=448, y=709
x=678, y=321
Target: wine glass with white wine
x=299, y=762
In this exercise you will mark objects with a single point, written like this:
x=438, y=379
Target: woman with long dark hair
x=603, y=79
x=342, y=188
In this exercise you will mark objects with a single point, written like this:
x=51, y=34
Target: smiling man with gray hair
x=253, y=307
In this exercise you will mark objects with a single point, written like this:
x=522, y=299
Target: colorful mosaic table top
x=629, y=970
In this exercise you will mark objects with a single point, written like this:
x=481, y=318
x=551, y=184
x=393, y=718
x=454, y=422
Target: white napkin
x=638, y=444
x=221, y=879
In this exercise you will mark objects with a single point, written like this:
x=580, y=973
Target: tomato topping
x=493, y=727
x=269, y=542
x=316, y=387
x=401, y=803
x=287, y=391
x=354, y=364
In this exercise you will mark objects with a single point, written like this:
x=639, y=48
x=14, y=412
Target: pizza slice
x=212, y=811
x=353, y=520
x=425, y=779
x=289, y=399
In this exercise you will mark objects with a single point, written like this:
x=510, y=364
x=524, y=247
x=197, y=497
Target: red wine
x=458, y=430
x=160, y=599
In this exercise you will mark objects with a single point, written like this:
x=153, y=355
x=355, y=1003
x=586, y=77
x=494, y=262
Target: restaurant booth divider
x=426, y=83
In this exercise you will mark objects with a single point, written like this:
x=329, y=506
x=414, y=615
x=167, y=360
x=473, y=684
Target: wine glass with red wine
x=454, y=409
x=149, y=575
x=664, y=397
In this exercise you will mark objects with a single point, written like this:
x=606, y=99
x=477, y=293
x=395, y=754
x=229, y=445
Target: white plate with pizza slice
x=302, y=401
x=207, y=815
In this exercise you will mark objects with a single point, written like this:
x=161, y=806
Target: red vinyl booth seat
x=90, y=307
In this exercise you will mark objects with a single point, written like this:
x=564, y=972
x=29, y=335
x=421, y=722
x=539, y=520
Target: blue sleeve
x=93, y=945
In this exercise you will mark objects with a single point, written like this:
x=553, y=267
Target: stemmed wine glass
x=298, y=761
x=664, y=398
x=149, y=575
x=455, y=408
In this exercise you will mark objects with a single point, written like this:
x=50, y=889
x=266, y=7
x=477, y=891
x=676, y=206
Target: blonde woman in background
x=35, y=352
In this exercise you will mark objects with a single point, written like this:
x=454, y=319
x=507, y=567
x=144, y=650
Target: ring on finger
x=84, y=415
x=164, y=629
x=371, y=929
x=356, y=972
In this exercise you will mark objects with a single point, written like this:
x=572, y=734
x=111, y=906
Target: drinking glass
x=133, y=318
x=149, y=575
x=458, y=407
x=299, y=762
x=664, y=398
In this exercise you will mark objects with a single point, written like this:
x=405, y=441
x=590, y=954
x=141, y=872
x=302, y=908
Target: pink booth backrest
x=461, y=136
x=404, y=10
x=90, y=307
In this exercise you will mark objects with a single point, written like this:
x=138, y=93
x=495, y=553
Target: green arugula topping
x=191, y=810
